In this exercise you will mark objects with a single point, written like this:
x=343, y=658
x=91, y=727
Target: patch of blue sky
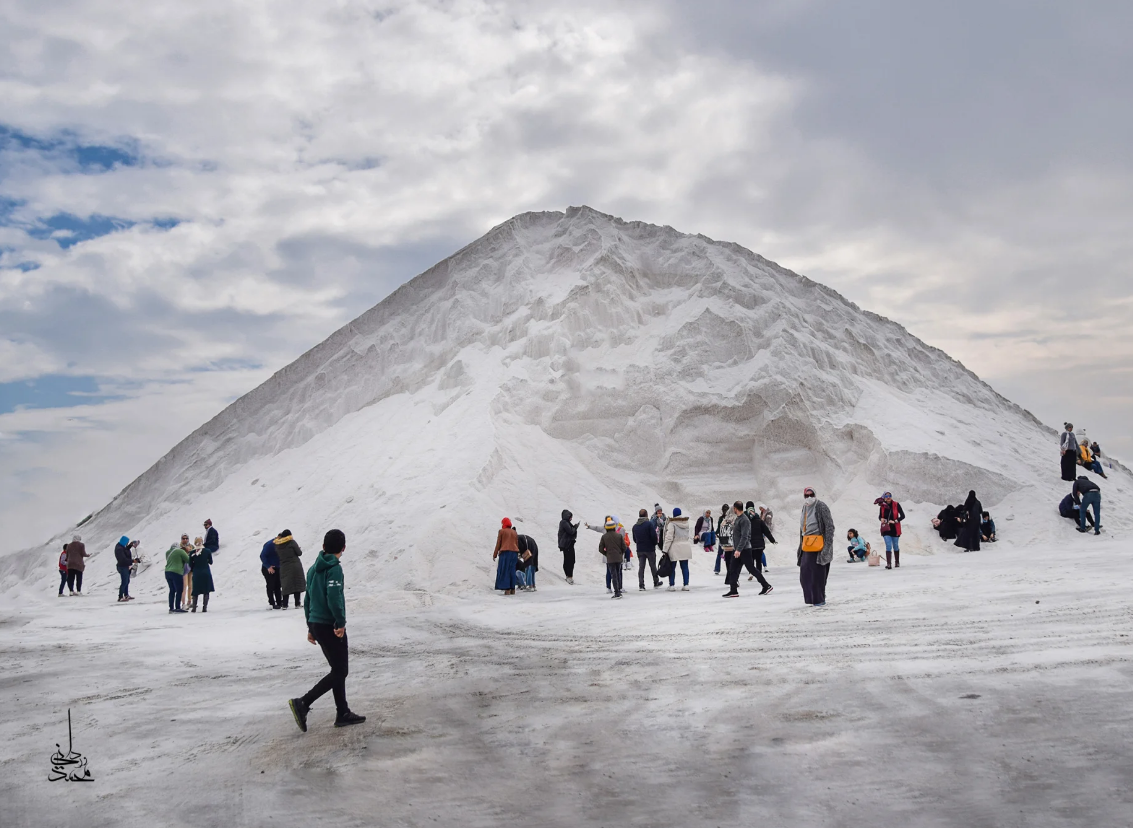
x=232, y=364
x=68, y=230
x=68, y=147
x=52, y=391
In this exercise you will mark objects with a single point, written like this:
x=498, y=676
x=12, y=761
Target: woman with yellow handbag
x=816, y=548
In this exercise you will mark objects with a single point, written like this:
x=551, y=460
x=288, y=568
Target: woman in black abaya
x=969, y=537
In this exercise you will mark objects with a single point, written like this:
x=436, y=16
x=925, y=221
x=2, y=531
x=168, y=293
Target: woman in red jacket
x=891, y=515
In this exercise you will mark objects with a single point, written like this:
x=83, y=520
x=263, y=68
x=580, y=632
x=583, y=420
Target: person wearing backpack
x=324, y=606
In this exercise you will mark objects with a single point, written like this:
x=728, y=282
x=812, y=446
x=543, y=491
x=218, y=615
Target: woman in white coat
x=677, y=545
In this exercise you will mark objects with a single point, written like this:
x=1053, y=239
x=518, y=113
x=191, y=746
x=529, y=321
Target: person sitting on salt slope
x=292, y=580
x=946, y=524
x=969, y=537
x=678, y=546
x=858, y=548
x=987, y=528
x=1087, y=493
x=891, y=514
x=1069, y=509
x=612, y=548
x=1087, y=460
x=506, y=554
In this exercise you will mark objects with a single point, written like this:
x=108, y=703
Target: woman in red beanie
x=507, y=556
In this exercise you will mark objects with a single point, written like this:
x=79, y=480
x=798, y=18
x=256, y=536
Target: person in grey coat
x=292, y=581
x=814, y=566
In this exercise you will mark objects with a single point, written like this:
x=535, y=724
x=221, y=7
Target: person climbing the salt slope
x=1069, y=509
x=890, y=514
x=816, y=548
x=62, y=570
x=506, y=554
x=1068, y=445
x=568, y=536
x=678, y=547
x=325, y=609
x=969, y=535
x=613, y=546
x=724, y=538
x=291, y=578
x=1087, y=460
x=760, y=534
x=200, y=562
x=645, y=536
x=1087, y=493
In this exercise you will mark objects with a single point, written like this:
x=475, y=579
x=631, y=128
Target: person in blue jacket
x=269, y=568
x=123, y=559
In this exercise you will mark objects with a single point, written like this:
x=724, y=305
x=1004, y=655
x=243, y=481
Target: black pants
x=812, y=577
x=75, y=580
x=1069, y=466
x=748, y=559
x=271, y=582
x=337, y=655
x=568, y=562
x=642, y=559
x=614, y=574
x=298, y=603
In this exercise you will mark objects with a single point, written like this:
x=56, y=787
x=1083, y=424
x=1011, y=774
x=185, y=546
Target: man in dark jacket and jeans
x=645, y=536
x=568, y=534
x=269, y=568
x=325, y=608
x=124, y=559
x=1087, y=493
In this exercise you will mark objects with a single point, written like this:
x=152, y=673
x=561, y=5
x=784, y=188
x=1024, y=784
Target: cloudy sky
x=193, y=194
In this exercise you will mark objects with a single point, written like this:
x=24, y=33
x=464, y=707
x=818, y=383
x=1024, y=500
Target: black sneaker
x=731, y=595
x=766, y=589
x=348, y=718
x=299, y=711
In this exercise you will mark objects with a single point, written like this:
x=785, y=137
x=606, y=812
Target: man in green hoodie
x=325, y=608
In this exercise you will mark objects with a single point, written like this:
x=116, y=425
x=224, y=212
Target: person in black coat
x=212, y=537
x=969, y=537
x=568, y=534
x=530, y=565
x=645, y=537
x=949, y=526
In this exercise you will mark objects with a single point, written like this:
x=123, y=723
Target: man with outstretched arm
x=325, y=608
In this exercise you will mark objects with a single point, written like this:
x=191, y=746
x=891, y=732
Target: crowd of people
x=1085, y=494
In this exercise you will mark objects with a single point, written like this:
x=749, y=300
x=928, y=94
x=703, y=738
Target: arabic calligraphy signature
x=69, y=766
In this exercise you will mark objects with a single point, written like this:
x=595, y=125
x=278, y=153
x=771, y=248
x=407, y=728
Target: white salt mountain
x=575, y=360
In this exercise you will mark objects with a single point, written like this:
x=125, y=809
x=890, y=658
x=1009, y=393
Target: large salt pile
x=574, y=360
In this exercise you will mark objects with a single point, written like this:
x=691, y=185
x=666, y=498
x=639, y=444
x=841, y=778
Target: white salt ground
x=990, y=688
